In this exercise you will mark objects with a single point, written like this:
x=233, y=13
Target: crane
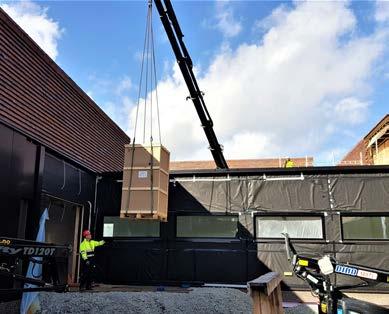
x=316, y=272
x=13, y=251
x=175, y=35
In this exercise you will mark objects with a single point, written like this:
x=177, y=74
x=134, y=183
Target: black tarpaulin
x=288, y=193
x=239, y=194
x=210, y=194
x=329, y=198
x=360, y=192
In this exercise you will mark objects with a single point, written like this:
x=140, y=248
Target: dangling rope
x=148, y=74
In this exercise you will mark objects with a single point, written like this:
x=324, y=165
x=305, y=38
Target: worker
x=87, y=249
x=289, y=163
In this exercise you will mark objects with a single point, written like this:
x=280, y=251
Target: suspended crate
x=145, y=182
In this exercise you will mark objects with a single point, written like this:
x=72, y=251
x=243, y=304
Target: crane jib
x=175, y=36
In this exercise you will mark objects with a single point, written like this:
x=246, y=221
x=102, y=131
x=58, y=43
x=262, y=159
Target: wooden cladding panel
x=39, y=99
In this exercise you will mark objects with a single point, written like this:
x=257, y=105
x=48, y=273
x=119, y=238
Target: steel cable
x=148, y=75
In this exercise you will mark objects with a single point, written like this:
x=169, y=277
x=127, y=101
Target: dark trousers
x=87, y=274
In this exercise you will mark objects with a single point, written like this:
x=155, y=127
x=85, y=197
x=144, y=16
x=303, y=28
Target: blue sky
x=280, y=78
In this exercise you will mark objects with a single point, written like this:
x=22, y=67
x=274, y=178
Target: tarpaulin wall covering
x=242, y=258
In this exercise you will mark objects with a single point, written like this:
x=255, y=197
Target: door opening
x=63, y=227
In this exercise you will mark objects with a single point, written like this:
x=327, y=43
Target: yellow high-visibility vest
x=87, y=248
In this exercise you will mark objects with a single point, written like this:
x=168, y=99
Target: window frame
x=132, y=237
x=354, y=214
x=196, y=214
x=288, y=214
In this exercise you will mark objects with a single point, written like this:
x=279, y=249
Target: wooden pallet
x=152, y=216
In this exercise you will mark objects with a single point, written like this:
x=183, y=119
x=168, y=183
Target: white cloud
x=276, y=17
x=382, y=11
x=34, y=19
x=119, y=111
x=224, y=20
x=253, y=144
x=101, y=84
x=118, y=108
x=288, y=94
x=351, y=111
x=124, y=85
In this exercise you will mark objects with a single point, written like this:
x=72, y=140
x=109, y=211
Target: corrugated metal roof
x=40, y=100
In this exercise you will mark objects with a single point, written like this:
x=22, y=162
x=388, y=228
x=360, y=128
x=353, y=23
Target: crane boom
x=175, y=35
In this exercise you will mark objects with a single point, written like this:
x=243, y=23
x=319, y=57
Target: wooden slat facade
x=40, y=100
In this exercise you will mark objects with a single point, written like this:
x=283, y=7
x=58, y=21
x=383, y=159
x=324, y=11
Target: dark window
x=365, y=227
x=207, y=226
x=124, y=227
x=298, y=227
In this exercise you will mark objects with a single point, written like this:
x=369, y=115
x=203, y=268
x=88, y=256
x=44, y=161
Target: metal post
x=376, y=153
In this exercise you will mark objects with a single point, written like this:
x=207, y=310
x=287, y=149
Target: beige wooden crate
x=139, y=199
x=140, y=204
x=142, y=156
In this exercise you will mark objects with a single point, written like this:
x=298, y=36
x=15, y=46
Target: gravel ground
x=198, y=300
x=12, y=307
x=302, y=309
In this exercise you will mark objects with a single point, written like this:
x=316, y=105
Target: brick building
x=373, y=149
x=241, y=163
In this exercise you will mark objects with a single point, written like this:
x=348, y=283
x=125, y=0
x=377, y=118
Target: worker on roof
x=87, y=252
x=289, y=163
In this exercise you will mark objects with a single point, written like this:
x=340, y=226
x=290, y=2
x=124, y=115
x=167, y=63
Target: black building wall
x=65, y=181
x=109, y=193
x=329, y=193
x=31, y=176
x=28, y=170
x=18, y=156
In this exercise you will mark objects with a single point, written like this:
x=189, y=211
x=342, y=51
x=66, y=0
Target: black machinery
x=175, y=35
x=14, y=251
x=317, y=272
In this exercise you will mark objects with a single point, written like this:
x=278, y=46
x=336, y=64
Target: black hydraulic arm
x=353, y=270
x=174, y=33
x=13, y=251
x=24, y=248
x=316, y=272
